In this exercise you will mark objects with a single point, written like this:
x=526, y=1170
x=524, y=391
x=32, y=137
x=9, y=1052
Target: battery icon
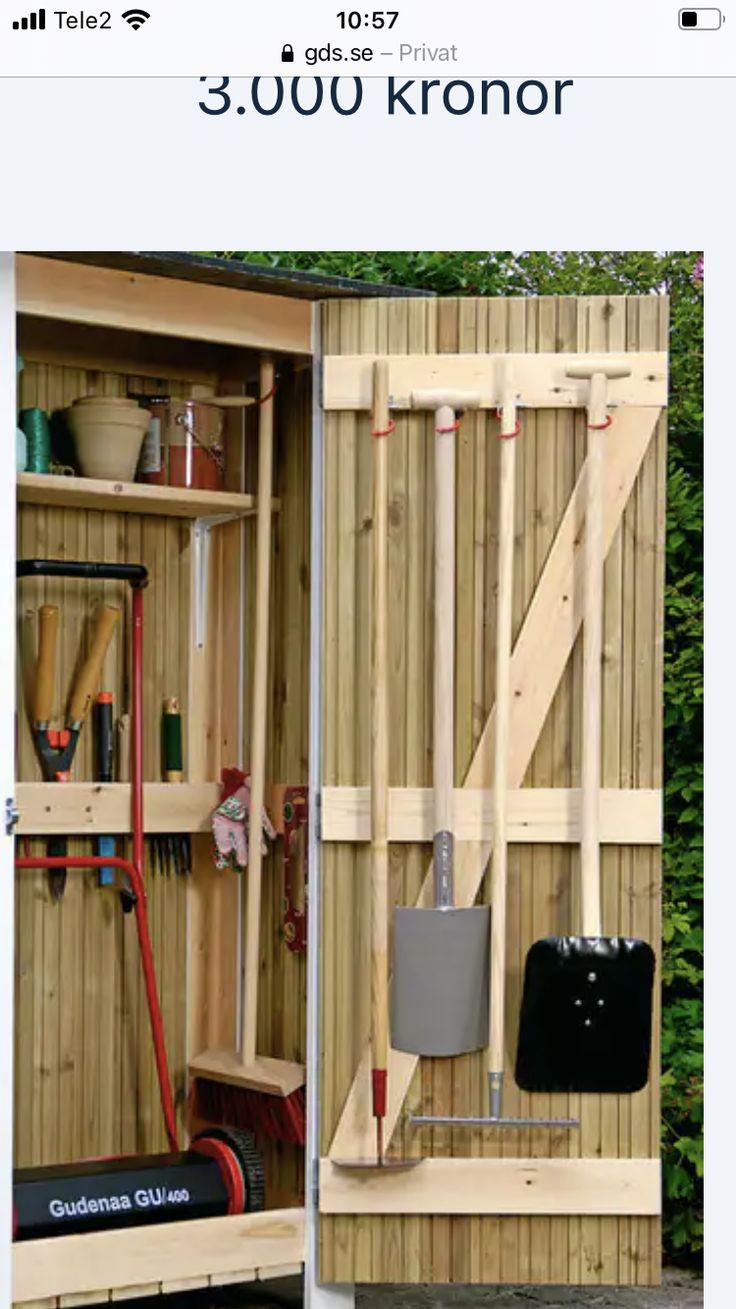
x=700, y=20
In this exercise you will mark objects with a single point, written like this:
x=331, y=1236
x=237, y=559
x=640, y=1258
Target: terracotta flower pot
x=108, y=438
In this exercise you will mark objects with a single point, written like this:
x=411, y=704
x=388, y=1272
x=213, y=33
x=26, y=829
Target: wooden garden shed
x=539, y=1205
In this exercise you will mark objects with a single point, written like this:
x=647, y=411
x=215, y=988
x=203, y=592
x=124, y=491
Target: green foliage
x=631, y=273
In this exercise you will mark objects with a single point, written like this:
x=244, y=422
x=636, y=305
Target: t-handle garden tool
x=509, y=430
x=586, y=1012
x=439, y=996
x=56, y=749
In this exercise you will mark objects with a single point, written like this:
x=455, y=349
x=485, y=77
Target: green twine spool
x=35, y=424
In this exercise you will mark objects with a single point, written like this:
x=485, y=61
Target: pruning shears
x=56, y=748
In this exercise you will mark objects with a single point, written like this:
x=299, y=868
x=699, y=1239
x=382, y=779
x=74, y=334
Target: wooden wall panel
x=543, y=894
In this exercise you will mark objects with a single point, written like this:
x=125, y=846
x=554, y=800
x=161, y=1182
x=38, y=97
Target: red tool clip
x=296, y=816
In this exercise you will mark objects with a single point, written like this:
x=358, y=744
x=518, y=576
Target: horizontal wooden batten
x=81, y=808
x=536, y=815
x=140, y=302
x=218, y=1249
x=539, y=381
x=89, y=808
x=496, y=1186
x=132, y=497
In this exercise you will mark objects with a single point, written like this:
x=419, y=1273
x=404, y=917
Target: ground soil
x=678, y=1291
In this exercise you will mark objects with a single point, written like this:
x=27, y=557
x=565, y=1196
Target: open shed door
x=489, y=1205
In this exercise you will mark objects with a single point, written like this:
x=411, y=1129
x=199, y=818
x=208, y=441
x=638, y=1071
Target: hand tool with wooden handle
x=439, y=996
x=56, y=749
x=103, y=718
x=381, y=430
x=229, y=1078
x=172, y=851
x=586, y=1011
x=379, y=755
x=509, y=430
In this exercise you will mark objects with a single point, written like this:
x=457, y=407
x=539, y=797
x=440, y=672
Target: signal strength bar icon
x=35, y=22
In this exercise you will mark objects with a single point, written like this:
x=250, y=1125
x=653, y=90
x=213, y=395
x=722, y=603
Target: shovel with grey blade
x=439, y=994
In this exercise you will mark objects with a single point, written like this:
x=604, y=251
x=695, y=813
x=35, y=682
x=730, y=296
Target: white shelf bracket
x=202, y=528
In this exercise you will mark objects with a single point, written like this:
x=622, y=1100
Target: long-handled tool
x=56, y=749
x=382, y=427
x=233, y=1076
x=439, y=996
x=221, y=1172
x=379, y=756
x=586, y=1011
x=508, y=432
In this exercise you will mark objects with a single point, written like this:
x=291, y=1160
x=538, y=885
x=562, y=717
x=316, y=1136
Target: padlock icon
x=287, y=54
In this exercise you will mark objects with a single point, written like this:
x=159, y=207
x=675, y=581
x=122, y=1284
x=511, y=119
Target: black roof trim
x=233, y=273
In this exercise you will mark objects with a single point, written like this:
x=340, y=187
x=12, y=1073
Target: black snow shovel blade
x=586, y=1016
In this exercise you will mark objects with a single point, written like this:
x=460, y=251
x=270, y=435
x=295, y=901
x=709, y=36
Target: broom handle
x=499, y=858
x=590, y=867
x=379, y=743
x=444, y=654
x=249, y=997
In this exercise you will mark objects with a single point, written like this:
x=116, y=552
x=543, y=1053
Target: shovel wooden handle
x=499, y=858
x=590, y=779
x=444, y=651
x=43, y=690
x=252, y=925
x=85, y=688
x=379, y=737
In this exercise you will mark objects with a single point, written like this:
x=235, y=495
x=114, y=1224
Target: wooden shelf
x=131, y=497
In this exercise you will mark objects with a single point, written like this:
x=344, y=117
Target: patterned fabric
x=230, y=830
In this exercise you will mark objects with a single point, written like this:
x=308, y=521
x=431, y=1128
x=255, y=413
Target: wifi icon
x=135, y=18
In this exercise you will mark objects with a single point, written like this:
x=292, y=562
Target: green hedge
x=678, y=274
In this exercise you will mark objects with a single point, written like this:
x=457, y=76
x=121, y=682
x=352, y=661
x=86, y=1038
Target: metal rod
x=446, y=1120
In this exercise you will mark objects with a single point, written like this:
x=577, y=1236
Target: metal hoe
x=439, y=998
x=508, y=432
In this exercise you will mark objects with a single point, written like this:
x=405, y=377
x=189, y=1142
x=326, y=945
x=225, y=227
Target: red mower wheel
x=240, y=1163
